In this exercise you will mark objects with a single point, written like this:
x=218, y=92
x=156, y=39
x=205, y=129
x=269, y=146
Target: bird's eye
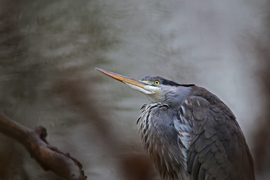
x=156, y=82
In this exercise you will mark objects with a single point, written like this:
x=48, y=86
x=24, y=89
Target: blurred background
x=49, y=49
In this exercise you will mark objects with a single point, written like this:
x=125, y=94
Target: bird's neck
x=175, y=98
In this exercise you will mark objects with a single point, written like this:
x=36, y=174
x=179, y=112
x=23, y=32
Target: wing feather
x=201, y=174
x=195, y=168
x=191, y=160
x=218, y=149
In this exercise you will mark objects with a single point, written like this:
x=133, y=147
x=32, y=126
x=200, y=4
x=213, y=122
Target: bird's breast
x=160, y=139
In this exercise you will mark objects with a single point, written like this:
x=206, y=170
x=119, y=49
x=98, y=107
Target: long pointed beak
x=133, y=83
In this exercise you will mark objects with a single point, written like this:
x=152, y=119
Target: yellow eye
x=156, y=82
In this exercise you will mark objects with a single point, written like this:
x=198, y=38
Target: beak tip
x=100, y=70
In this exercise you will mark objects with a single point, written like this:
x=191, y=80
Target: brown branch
x=49, y=157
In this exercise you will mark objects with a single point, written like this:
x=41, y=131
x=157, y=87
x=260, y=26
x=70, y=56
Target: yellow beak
x=143, y=87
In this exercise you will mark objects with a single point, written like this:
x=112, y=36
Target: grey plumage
x=202, y=135
x=162, y=140
x=189, y=132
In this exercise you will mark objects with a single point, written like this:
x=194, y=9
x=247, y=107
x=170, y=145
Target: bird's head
x=158, y=89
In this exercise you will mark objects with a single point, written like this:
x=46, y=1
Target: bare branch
x=49, y=157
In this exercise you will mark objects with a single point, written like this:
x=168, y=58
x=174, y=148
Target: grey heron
x=189, y=132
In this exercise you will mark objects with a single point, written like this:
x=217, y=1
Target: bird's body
x=190, y=133
x=200, y=141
